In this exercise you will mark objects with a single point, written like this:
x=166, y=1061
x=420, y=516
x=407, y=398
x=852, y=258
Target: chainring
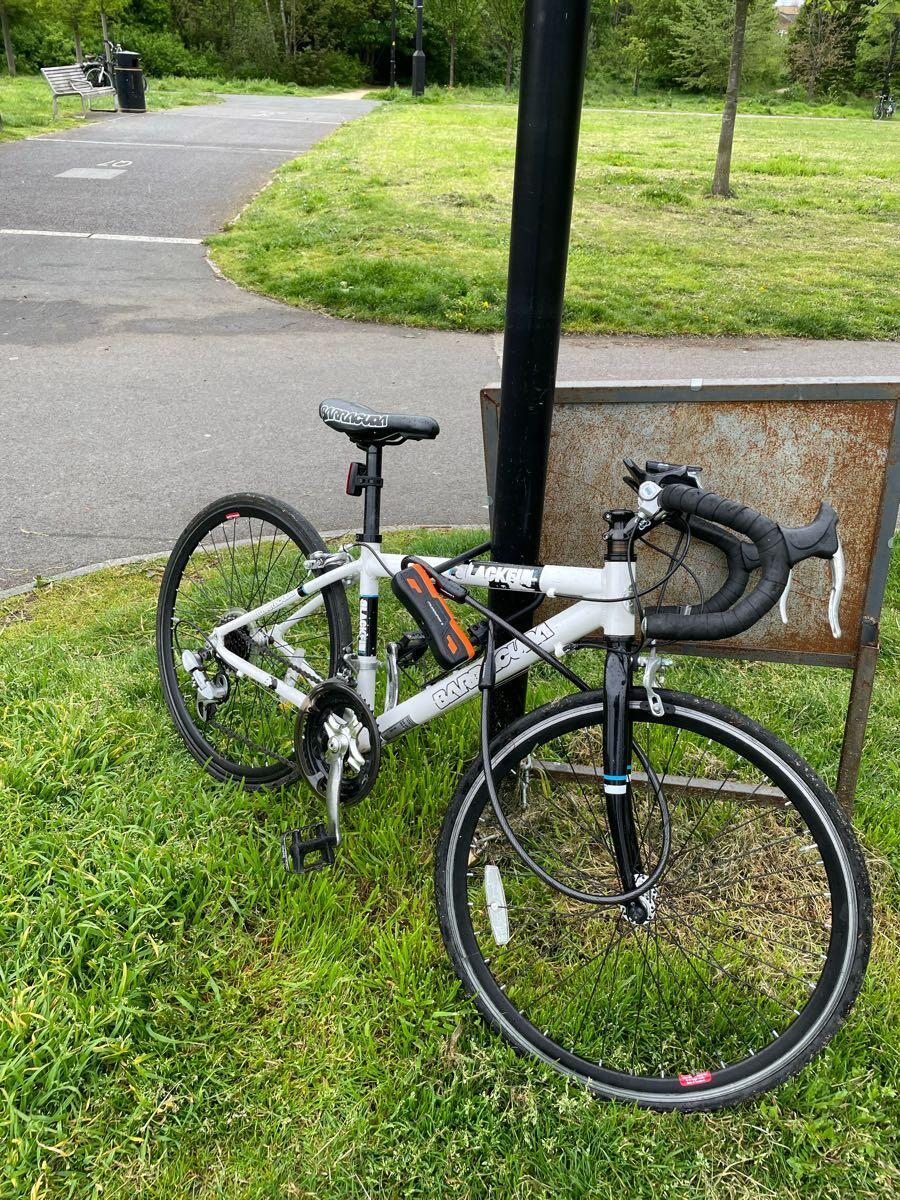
x=336, y=698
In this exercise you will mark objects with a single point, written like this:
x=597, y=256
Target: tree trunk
x=284, y=28
x=7, y=40
x=271, y=27
x=507, y=79
x=452, y=59
x=76, y=34
x=104, y=27
x=721, y=185
x=817, y=33
x=888, y=66
x=637, y=80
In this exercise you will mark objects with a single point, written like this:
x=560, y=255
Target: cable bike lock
x=486, y=683
x=487, y=679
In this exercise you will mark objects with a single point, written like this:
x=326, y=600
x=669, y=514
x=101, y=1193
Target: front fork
x=617, y=765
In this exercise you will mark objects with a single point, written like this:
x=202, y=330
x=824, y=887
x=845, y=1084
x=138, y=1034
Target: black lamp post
x=393, y=44
x=418, y=62
x=552, y=78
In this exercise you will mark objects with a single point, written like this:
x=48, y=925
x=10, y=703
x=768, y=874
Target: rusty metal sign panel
x=780, y=447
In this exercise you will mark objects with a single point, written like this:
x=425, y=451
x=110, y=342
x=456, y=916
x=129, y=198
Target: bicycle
x=100, y=69
x=885, y=107
x=643, y=889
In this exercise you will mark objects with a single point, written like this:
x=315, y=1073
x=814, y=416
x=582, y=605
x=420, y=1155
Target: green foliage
x=878, y=47
x=164, y=53
x=702, y=34
x=822, y=45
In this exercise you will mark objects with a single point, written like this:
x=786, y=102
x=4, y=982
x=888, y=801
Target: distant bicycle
x=100, y=68
x=885, y=106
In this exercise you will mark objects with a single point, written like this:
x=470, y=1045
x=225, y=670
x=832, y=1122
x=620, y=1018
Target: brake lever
x=819, y=539
x=838, y=571
x=838, y=568
x=782, y=602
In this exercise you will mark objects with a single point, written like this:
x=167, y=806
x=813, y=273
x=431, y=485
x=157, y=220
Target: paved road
x=137, y=385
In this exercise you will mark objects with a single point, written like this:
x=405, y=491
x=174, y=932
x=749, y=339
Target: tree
x=460, y=21
x=822, y=44
x=702, y=35
x=878, y=48
x=721, y=184
x=637, y=55
x=503, y=20
x=7, y=38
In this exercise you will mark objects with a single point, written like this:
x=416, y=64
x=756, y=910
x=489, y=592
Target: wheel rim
x=234, y=563
x=708, y=995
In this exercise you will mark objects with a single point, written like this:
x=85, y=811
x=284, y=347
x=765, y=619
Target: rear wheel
x=239, y=553
x=740, y=963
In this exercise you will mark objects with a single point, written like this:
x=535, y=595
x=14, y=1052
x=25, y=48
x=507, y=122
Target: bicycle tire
x=701, y=1085
x=196, y=733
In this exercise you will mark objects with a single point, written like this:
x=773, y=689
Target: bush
x=316, y=68
x=43, y=46
x=163, y=53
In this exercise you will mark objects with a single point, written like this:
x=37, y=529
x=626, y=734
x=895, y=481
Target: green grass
x=206, y=87
x=177, y=1018
x=26, y=108
x=404, y=217
x=600, y=94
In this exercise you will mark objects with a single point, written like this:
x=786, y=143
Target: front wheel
x=738, y=965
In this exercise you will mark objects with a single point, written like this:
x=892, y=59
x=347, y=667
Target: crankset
x=337, y=724
x=338, y=748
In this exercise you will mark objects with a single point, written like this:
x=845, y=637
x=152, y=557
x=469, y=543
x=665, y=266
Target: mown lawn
x=599, y=93
x=178, y=1018
x=404, y=217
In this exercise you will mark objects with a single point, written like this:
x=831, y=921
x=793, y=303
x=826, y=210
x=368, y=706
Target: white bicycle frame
x=600, y=603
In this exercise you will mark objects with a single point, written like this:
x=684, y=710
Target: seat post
x=372, y=495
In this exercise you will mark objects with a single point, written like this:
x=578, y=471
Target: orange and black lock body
x=448, y=640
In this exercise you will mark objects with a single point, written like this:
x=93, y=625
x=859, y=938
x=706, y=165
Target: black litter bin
x=130, y=82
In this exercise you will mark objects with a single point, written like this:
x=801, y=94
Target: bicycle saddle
x=367, y=428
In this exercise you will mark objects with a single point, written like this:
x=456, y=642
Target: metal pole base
x=418, y=73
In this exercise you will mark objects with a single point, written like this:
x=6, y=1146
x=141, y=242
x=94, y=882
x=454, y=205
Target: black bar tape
x=735, y=581
x=773, y=560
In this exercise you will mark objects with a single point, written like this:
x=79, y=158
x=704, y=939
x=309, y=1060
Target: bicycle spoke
x=698, y=970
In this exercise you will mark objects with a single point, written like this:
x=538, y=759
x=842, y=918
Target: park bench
x=72, y=81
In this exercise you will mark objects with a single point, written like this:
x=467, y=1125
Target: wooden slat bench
x=72, y=81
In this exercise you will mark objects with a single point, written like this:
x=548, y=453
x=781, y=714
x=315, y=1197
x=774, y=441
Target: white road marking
x=312, y=119
x=45, y=233
x=89, y=173
x=286, y=150
x=138, y=237
x=104, y=237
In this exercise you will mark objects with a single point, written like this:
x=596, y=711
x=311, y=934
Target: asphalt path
x=137, y=385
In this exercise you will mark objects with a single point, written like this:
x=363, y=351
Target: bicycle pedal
x=296, y=844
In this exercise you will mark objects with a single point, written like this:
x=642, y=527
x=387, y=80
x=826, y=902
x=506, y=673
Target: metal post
x=393, y=44
x=418, y=62
x=857, y=715
x=550, y=94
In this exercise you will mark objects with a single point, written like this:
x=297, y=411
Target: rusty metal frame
x=863, y=660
